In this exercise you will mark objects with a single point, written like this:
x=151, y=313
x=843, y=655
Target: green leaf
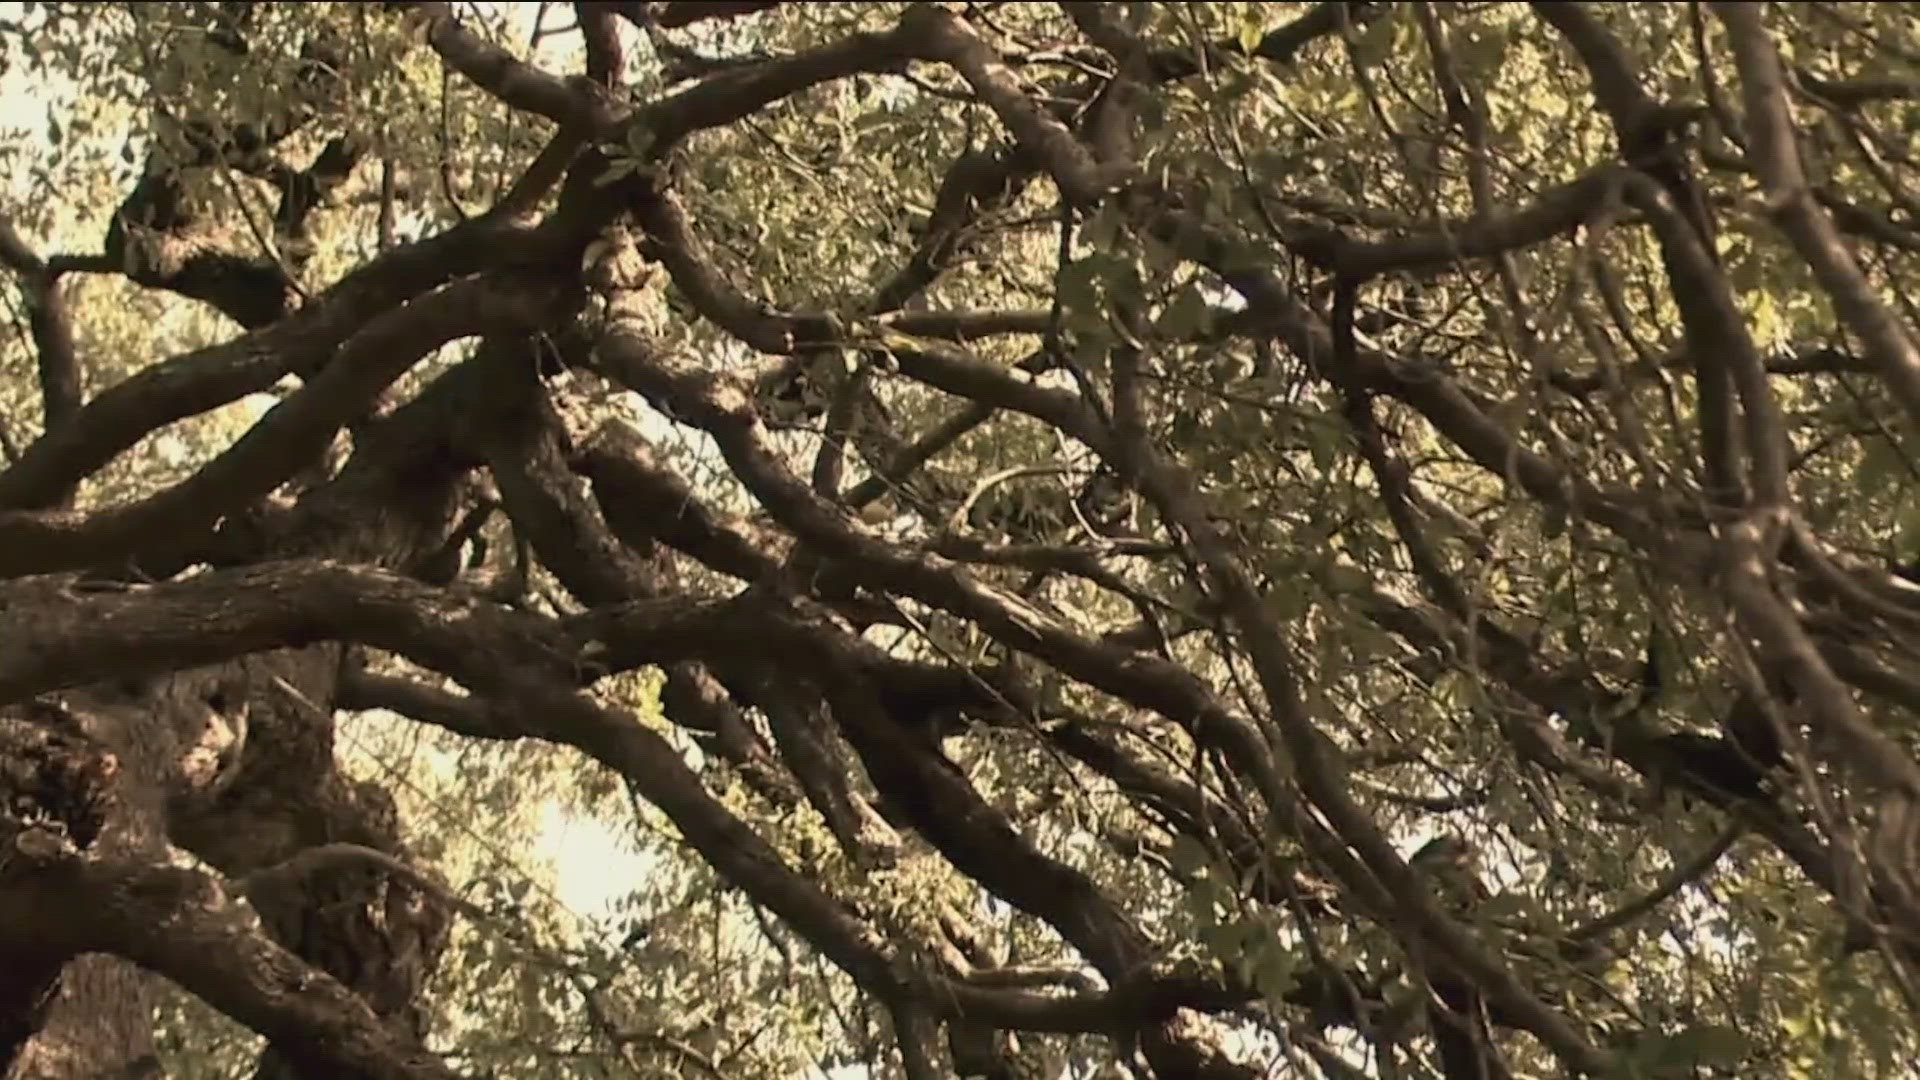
x=1503, y=907
x=618, y=169
x=639, y=139
x=1341, y=578
x=1185, y=317
x=1188, y=856
x=1553, y=522
x=1252, y=30
x=1372, y=44
x=1483, y=49
x=1078, y=286
x=1274, y=970
x=1882, y=463
x=1673, y=1057
x=1228, y=940
x=1714, y=1044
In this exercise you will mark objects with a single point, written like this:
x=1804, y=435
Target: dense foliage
x=1084, y=539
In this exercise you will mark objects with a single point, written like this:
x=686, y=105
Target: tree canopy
x=1064, y=540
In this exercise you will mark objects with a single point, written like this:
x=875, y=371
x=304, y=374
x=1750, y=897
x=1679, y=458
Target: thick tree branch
x=733, y=95
x=526, y=667
x=1315, y=760
x=937, y=34
x=1647, y=134
x=194, y=382
x=283, y=441
x=51, y=325
x=1557, y=212
x=360, y=690
x=644, y=501
x=1788, y=198
x=60, y=638
x=944, y=806
x=600, y=29
x=578, y=105
x=1723, y=349
x=719, y=405
x=977, y=184
x=212, y=948
x=517, y=435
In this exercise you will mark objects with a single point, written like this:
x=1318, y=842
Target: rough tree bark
x=234, y=762
x=171, y=666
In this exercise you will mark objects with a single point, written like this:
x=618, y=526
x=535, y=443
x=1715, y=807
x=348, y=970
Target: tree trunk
x=235, y=764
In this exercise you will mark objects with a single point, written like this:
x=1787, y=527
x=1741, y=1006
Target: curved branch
x=1556, y=212
x=600, y=28
x=360, y=690
x=302, y=344
x=644, y=501
x=977, y=184
x=720, y=406
x=1789, y=199
x=576, y=104
x=283, y=441
x=59, y=638
x=938, y=34
x=214, y=949
x=735, y=94
x=671, y=240
x=1683, y=874
x=51, y=325
x=944, y=806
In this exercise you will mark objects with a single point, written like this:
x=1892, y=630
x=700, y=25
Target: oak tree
x=1083, y=539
